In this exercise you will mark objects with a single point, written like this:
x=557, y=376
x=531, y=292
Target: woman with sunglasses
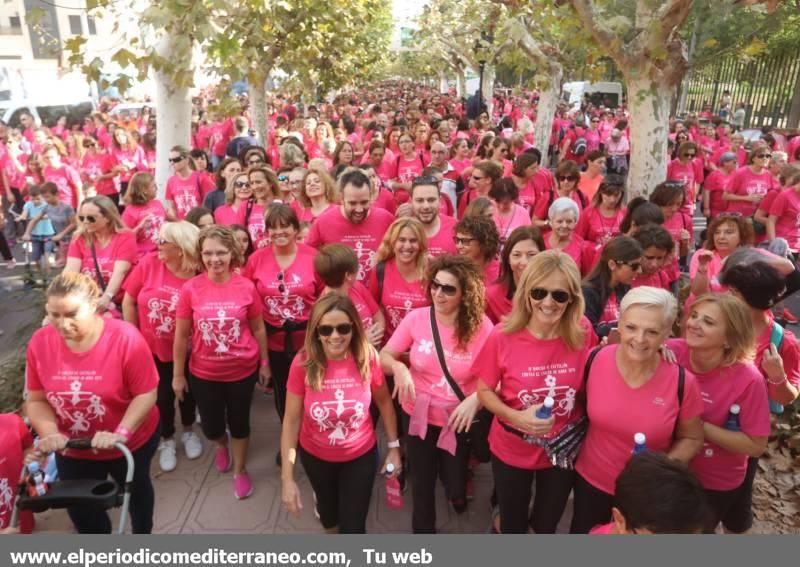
x=435, y=419
x=670, y=197
x=604, y=288
x=567, y=176
x=522, y=246
x=184, y=191
x=481, y=180
x=102, y=249
x=144, y=214
x=500, y=153
x=398, y=281
x=631, y=390
x=545, y=325
x=287, y=287
x=240, y=206
x=285, y=195
x=687, y=168
x=218, y=320
x=151, y=297
x=327, y=425
x=227, y=168
x=749, y=185
x=600, y=222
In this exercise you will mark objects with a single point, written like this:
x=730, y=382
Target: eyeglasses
x=595, y=121
x=762, y=156
x=87, y=218
x=447, y=289
x=89, y=145
x=567, y=178
x=690, y=155
x=635, y=266
x=558, y=295
x=241, y=184
x=341, y=329
x=282, y=178
x=459, y=241
x=177, y=159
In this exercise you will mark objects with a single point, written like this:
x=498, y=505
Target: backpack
x=580, y=146
x=776, y=339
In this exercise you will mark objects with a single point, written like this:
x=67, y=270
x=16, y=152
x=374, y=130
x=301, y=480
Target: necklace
x=504, y=228
x=607, y=229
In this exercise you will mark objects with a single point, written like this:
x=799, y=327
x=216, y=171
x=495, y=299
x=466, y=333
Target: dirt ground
x=776, y=492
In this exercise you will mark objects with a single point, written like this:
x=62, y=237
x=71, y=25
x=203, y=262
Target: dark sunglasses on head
x=87, y=218
x=447, y=289
x=342, y=329
x=241, y=184
x=558, y=295
x=177, y=159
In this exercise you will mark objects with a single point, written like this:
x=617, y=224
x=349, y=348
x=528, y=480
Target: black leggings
x=279, y=365
x=224, y=403
x=343, y=490
x=4, y=249
x=166, y=401
x=591, y=507
x=90, y=520
x=513, y=486
x=428, y=463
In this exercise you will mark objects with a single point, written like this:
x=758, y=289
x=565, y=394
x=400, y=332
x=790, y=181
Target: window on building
x=90, y=24
x=75, y=27
x=15, y=22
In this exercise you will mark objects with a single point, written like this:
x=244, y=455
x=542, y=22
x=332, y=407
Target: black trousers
x=224, y=404
x=513, y=486
x=343, y=490
x=279, y=364
x=89, y=520
x=430, y=463
x=592, y=507
x=5, y=251
x=166, y=401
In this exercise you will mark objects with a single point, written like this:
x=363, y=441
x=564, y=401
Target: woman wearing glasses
x=521, y=247
x=219, y=316
x=95, y=168
x=546, y=326
x=102, y=249
x=748, y=185
x=436, y=418
x=239, y=203
x=327, y=425
x=287, y=288
x=603, y=289
x=630, y=390
x=687, y=168
x=184, y=190
x=483, y=175
x=600, y=222
x=567, y=176
x=151, y=297
x=476, y=237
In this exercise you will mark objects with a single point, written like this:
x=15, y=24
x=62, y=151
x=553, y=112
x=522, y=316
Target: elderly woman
x=545, y=325
x=630, y=390
x=91, y=376
x=562, y=221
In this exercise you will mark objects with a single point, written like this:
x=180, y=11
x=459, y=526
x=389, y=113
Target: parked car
x=753, y=135
x=45, y=113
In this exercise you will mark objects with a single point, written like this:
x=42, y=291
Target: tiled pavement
x=196, y=499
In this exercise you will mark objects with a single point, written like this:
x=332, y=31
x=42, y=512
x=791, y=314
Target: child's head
x=141, y=189
x=50, y=193
x=35, y=193
x=657, y=243
x=305, y=227
x=658, y=495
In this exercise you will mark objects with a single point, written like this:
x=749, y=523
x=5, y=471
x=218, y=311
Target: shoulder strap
x=681, y=384
x=100, y=279
x=247, y=212
x=777, y=335
x=586, y=368
x=380, y=274
x=442, y=362
x=582, y=198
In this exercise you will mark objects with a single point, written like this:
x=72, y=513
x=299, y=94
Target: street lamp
x=480, y=49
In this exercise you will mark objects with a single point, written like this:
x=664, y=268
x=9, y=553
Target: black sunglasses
x=447, y=289
x=87, y=218
x=558, y=295
x=342, y=329
x=768, y=156
x=177, y=159
x=241, y=184
x=690, y=155
x=567, y=178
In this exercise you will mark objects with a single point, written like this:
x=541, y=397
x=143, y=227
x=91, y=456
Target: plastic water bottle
x=546, y=410
x=732, y=423
x=639, y=443
x=36, y=483
x=394, y=496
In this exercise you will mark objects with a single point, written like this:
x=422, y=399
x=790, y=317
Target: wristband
x=393, y=444
x=124, y=431
x=264, y=362
x=776, y=382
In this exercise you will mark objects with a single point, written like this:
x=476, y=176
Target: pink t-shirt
x=717, y=468
x=364, y=238
x=147, y=236
x=307, y=215
x=786, y=208
x=596, y=228
x=67, y=180
x=405, y=170
x=184, y=193
x=398, y=296
x=578, y=249
x=156, y=291
x=223, y=347
x=414, y=335
x=603, y=529
x=617, y=412
x=506, y=224
x=498, y=304
x=364, y=302
x=549, y=368
x=121, y=248
x=744, y=182
x=657, y=279
x=691, y=175
x=336, y=422
x=385, y=200
x=92, y=167
x=13, y=442
x=442, y=241
x=287, y=295
x=132, y=160
x=91, y=391
x=674, y=225
x=715, y=184
x=789, y=351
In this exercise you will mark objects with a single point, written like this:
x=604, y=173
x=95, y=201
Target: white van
x=45, y=113
x=607, y=94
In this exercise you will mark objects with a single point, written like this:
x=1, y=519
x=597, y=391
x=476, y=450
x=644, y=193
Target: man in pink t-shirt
x=354, y=223
x=425, y=197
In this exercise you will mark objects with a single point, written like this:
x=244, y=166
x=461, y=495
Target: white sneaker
x=192, y=445
x=167, y=458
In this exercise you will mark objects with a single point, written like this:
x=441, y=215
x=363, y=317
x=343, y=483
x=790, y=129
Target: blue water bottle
x=732, y=423
x=639, y=443
x=546, y=410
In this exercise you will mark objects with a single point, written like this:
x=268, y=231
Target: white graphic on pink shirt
x=221, y=331
x=425, y=346
x=152, y=228
x=339, y=416
x=77, y=408
x=159, y=316
x=185, y=202
x=6, y=499
x=366, y=259
x=564, y=396
x=397, y=314
x=287, y=307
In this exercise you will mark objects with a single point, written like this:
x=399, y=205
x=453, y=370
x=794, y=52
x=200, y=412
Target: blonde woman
x=239, y=202
x=143, y=214
x=332, y=383
x=317, y=196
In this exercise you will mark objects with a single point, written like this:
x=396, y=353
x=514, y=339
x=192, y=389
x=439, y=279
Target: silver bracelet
x=776, y=383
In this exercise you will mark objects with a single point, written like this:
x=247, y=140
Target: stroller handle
x=84, y=443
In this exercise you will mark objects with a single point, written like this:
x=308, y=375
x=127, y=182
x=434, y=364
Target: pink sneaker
x=242, y=486
x=222, y=459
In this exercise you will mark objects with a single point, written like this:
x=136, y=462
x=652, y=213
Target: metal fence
x=764, y=84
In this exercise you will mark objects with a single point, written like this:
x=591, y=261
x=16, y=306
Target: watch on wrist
x=393, y=444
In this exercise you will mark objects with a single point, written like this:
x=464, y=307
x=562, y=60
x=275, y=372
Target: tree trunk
x=461, y=82
x=173, y=115
x=648, y=101
x=487, y=88
x=258, y=106
x=793, y=121
x=546, y=113
x=442, y=82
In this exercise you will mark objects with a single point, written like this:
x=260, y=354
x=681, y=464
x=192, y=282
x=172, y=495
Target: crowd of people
x=389, y=259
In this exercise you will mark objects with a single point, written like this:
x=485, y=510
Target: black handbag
x=478, y=433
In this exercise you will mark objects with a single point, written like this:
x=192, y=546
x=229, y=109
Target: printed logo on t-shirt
x=397, y=314
x=564, y=395
x=220, y=331
x=366, y=258
x=78, y=408
x=757, y=187
x=162, y=314
x=340, y=417
x=287, y=306
x=185, y=201
x=6, y=500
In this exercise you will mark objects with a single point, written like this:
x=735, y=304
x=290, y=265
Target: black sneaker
x=459, y=505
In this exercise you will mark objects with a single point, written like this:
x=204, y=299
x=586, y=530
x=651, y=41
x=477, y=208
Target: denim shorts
x=40, y=246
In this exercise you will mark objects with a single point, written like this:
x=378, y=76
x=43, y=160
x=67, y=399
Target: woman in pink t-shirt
x=508, y=215
x=150, y=303
x=127, y=156
x=239, y=202
x=331, y=386
x=670, y=197
x=631, y=390
x=67, y=179
x=408, y=165
x=657, y=245
x=725, y=234
x=102, y=249
x=93, y=377
x=97, y=170
x=317, y=195
x=522, y=245
x=337, y=267
x=688, y=169
x=435, y=417
x=219, y=317
x=600, y=222
x=563, y=216
x=718, y=348
x=748, y=185
x=785, y=212
x=144, y=214
x=546, y=326
x=16, y=444
x=459, y=155
x=476, y=237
